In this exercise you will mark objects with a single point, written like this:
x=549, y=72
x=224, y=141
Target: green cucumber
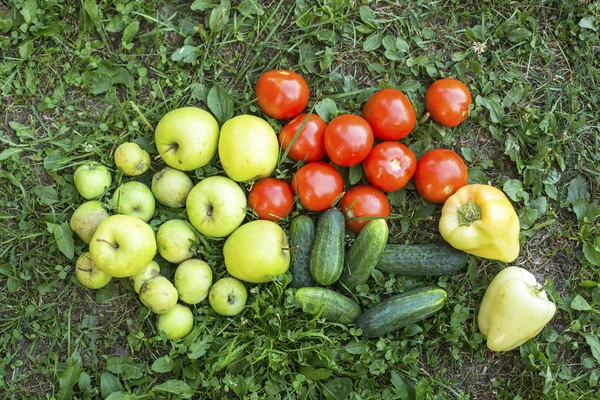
x=327, y=254
x=302, y=235
x=328, y=304
x=401, y=310
x=429, y=259
x=364, y=253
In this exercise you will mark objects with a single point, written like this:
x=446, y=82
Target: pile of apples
x=124, y=245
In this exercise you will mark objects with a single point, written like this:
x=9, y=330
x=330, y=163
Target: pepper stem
x=469, y=213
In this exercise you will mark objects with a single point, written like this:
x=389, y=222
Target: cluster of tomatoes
x=371, y=140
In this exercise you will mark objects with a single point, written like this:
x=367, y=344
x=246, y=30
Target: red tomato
x=318, y=185
x=447, y=101
x=389, y=166
x=363, y=201
x=309, y=145
x=390, y=114
x=281, y=94
x=440, y=173
x=271, y=199
x=348, y=140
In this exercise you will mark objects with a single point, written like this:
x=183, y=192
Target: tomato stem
x=469, y=213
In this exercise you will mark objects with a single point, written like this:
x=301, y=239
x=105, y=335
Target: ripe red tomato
x=447, y=101
x=440, y=173
x=390, y=114
x=309, y=146
x=389, y=166
x=363, y=201
x=271, y=199
x=318, y=185
x=348, y=140
x=281, y=94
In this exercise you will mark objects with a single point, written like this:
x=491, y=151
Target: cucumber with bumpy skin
x=428, y=259
x=327, y=254
x=328, y=304
x=302, y=235
x=401, y=310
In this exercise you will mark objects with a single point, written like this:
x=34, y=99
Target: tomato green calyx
x=469, y=213
x=172, y=147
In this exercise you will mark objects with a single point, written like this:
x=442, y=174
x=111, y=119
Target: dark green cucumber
x=327, y=254
x=328, y=304
x=364, y=253
x=401, y=310
x=302, y=235
x=429, y=259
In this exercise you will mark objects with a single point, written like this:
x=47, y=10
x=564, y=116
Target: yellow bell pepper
x=480, y=220
x=514, y=309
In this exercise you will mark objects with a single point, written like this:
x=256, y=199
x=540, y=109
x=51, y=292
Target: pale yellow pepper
x=514, y=309
x=480, y=220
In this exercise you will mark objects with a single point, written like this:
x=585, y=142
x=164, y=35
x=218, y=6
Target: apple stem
x=174, y=146
x=290, y=248
x=116, y=246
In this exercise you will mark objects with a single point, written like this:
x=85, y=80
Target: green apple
x=123, y=245
x=187, y=138
x=158, y=294
x=176, y=240
x=248, y=148
x=88, y=274
x=171, y=187
x=151, y=270
x=228, y=297
x=132, y=159
x=193, y=279
x=216, y=206
x=135, y=199
x=92, y=179
x=257, y=251
x=86, y=219
x=176, y=323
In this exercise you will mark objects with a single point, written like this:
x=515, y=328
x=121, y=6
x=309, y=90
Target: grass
x=77, y=78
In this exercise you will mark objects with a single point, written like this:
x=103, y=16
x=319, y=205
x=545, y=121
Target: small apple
x=176, y=323
x=216, y=206
x=257, y=251
x=158, y=294
x=192, y=280
x=123, y=245
x=228, y=297
x=171, y=187
x=151, y=270
x=187, y=138
x=132, y=159
x=248, y=148
x=176, y=240
x=135, y=199
x=92, y=179
x=88, y=274
x=86, y=219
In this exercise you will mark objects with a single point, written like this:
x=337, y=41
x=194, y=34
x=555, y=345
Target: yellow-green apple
x=187, y=138
x=92, y=179
x=257, y=251
x=88, y=274
x=171, y=187
x=176, y=240
x=248, y=148
x=192, y=280
x=86, y=219
x=176, y=323
x=135, y=199
x=228, y=297
x=123, y=245
x=216, y=206
x=132, y=160
x=158, y=294
x=151, y=270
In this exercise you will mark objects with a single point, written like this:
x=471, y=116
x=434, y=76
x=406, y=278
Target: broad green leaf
x=326, y=109
x=187, y=54
x=409, y=86
x=96, y=82
x=126, y=367
x=163, y=364
x=26, y=49
x=355, y=347
x=219, y=16
x=580, y=304
x=109, y=384
x=64, y=238
x=174, y=386
x=46, y=194
x=578, y=189
x=201, y=5
x=130, y=32
x=84, y=381
x=373, y=42
x=355, y=174
x=29, y=10
x=518, y=35
x=69, y=377
x=402, y=45
x=220, y=103
x=5, y=25
x=594, y=343
x=514, y=190
x=338, y=389
x=397, y=198
x=249, y=8
x=326, y=59
x=592, y=255
x=9, y=152
x=316, y=374
x=588, y=23
x=513, y=96
x=367, y=15
x=405, y=388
